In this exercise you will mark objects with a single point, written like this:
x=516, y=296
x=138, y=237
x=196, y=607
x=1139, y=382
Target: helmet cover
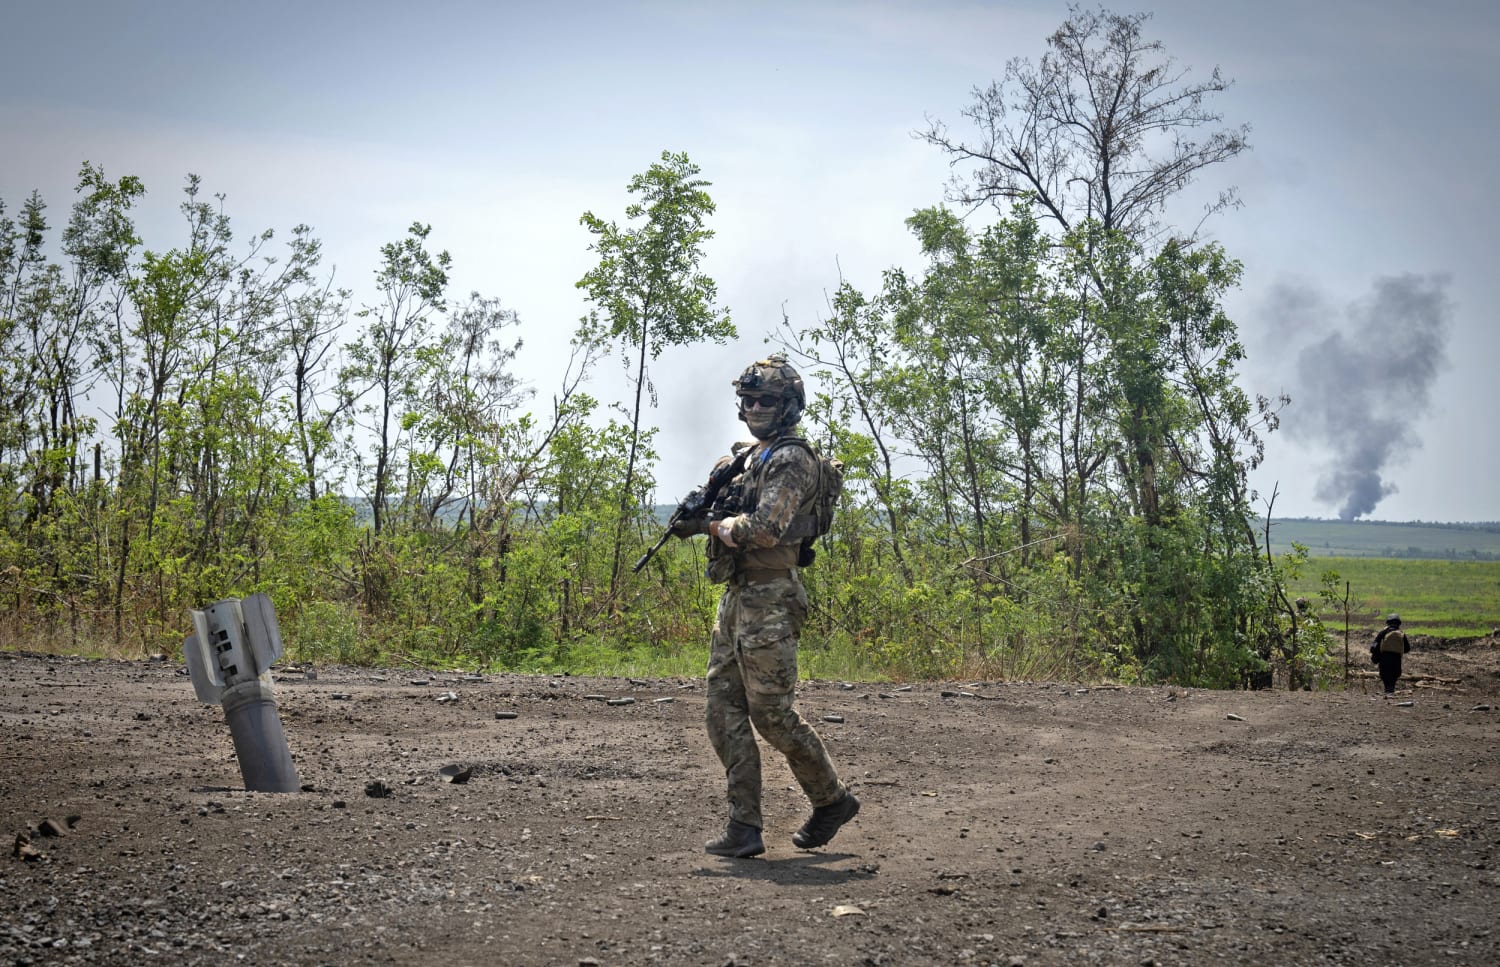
x=772, y=377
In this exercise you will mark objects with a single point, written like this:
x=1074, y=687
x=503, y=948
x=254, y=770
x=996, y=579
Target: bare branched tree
x=1105, y=128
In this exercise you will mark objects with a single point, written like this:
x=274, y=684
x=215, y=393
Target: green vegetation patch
x=1444, y=598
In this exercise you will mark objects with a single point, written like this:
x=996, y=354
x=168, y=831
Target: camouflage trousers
x=752, y=678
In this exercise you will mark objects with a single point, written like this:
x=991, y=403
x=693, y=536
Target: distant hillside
x=1418, y=540
x=1391, y=539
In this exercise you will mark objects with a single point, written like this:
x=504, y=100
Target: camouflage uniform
x=752, y=664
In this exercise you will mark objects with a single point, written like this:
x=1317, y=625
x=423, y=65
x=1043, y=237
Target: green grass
x=1449, y=599
x=1378, y=538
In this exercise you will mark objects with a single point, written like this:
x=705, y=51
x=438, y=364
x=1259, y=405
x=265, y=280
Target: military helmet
x=772, y=376
x=1393, y=620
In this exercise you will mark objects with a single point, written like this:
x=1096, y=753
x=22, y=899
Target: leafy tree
x=387, y=362
x=470, y=394
x=972, y=329
x=649, y=288
x=101, y=242
x=1100, y=132
x=1097, y=139
x=853, y=347
x=26, y=291
x=53, y=327
x=311, y=321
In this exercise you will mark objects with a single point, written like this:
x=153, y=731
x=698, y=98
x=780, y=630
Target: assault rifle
x=707, y=502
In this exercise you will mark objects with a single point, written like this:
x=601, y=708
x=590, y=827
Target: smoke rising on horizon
x=1365, y=380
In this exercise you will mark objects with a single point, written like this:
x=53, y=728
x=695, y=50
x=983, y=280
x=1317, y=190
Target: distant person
x=1390, y=644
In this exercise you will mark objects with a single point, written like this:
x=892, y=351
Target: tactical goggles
x=759, y=402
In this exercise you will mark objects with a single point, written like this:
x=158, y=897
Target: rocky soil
x=1003, y=823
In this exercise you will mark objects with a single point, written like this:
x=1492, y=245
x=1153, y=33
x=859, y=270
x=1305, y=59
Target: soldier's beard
x=763, y=423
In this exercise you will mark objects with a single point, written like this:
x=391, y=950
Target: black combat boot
x=739, y=840
x=825, y=822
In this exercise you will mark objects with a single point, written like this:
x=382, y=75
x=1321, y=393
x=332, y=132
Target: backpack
x=1394, y=641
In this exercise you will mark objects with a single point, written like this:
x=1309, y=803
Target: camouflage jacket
x=779, y=483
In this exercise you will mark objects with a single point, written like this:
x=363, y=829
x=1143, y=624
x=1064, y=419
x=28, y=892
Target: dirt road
x=1002, y=824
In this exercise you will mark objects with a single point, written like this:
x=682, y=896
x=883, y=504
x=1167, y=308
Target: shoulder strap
x=782, y=441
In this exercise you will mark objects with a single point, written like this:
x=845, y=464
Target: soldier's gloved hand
x=688, y=527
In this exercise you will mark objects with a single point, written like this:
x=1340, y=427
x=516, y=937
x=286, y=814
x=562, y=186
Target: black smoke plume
x=1365, y=380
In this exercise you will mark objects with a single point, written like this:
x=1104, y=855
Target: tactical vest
x=723, y=562
x=784, y=554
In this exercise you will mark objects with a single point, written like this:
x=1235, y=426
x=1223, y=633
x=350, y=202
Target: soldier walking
x=752, y=664
x=1390, y=644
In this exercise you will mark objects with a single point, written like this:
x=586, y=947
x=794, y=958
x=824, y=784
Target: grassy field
x=1378, y=538
x=1445, y=598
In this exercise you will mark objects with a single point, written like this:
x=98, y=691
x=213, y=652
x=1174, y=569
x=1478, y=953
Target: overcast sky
x=1367, y=231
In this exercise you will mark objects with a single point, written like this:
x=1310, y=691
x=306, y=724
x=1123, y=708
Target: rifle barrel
x=647, y=556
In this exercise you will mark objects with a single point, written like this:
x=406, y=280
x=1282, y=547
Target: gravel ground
x=1003, y=823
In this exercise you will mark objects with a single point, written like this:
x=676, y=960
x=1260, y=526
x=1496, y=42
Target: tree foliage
x=650, y=290
x=989, y=409
x=1046, y=444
